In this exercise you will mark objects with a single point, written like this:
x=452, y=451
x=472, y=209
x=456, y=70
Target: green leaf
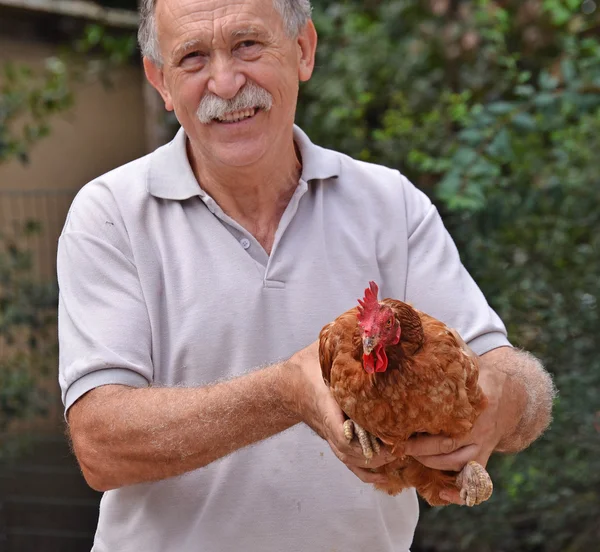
x=568, y=70
x=500, y=108
x=524, y=121
x=464, y=157
x=471, y=136
x=544, y=99
x=94, y=34
x=524, y=77
x=546, y=81
x=501, y=147
x=524, y=90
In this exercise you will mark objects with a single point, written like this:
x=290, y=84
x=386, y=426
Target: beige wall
x=103, y=130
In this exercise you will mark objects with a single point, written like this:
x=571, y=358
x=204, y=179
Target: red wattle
x=382, y=361
x=377, y=361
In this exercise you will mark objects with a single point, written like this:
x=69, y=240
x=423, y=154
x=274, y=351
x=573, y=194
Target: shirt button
x=245, y=243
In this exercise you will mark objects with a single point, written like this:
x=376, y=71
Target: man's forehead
x=223, y=16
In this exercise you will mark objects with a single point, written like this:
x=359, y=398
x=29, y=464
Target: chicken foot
x=474, y=483
x=368, y=443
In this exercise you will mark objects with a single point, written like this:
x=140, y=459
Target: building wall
x=104, y=129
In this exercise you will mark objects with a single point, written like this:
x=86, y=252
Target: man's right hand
x=319, y=410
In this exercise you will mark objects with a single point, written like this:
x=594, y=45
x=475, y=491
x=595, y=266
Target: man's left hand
x=447, y=453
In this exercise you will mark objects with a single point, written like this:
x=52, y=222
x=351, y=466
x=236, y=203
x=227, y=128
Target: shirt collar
x=170, y=175
x=317, y=163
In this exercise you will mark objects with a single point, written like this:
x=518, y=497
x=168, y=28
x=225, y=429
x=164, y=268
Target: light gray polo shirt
x=158, y=285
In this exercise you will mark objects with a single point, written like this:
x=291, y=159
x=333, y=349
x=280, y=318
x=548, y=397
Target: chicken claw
x=368, y=442
x=475, y=484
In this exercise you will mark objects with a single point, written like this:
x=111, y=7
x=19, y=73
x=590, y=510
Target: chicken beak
x=368, y=345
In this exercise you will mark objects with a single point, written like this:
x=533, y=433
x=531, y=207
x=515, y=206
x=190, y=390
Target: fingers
x=445, y=453
x=351, y=454
x=452, y=496
x=356, y=463
x=430, y=445
x=454, y=461
x=379, y=459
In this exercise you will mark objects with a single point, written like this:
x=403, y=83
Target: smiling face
x=231, y=74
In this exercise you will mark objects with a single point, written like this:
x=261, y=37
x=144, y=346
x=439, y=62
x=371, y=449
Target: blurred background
x=491, y=107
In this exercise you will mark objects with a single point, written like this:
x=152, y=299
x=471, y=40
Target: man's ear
x=156, y=77
x=307, y=43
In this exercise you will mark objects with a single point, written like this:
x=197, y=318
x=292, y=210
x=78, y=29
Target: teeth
x=237, y=115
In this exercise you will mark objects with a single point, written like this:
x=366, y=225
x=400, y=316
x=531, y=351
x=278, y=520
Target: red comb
x=369, y=304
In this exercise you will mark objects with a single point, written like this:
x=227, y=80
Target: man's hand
x=320, y=411
x=498, y=420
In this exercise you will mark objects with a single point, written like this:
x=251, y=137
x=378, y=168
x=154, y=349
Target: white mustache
x=250, y=96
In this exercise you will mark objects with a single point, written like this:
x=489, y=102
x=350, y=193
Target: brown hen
x=397, y=372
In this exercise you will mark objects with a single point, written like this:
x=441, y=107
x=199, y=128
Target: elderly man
x=194, y=279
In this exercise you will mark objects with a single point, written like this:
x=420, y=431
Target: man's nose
x=225, y=79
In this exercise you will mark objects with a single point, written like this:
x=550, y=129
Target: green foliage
x=493, y=109
x=27, y=312
x=27, y=101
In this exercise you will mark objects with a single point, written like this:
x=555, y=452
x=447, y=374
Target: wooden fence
x=48, y=208
x=45, y=505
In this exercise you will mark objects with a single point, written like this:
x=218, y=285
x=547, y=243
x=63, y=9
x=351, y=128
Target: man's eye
x=247, y=44
x=192, y=59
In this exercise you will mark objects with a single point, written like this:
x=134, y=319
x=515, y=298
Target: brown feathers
x=430, y=386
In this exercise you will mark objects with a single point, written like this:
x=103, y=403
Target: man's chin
x=236, y=153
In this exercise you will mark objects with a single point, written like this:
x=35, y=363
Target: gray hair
x=294, y=13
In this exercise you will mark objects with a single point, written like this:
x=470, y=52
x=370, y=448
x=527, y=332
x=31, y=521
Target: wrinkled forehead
x=214, y=21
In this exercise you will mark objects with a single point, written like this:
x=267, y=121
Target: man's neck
x=255, y=196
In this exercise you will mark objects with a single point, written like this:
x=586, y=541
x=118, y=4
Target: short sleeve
x=438, y=283
x=103, y=325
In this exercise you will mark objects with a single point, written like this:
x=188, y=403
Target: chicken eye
x=388, y=324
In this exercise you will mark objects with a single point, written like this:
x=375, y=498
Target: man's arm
x=527, y=396
x=122, y=435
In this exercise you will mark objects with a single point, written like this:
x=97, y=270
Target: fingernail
x=445, y=496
